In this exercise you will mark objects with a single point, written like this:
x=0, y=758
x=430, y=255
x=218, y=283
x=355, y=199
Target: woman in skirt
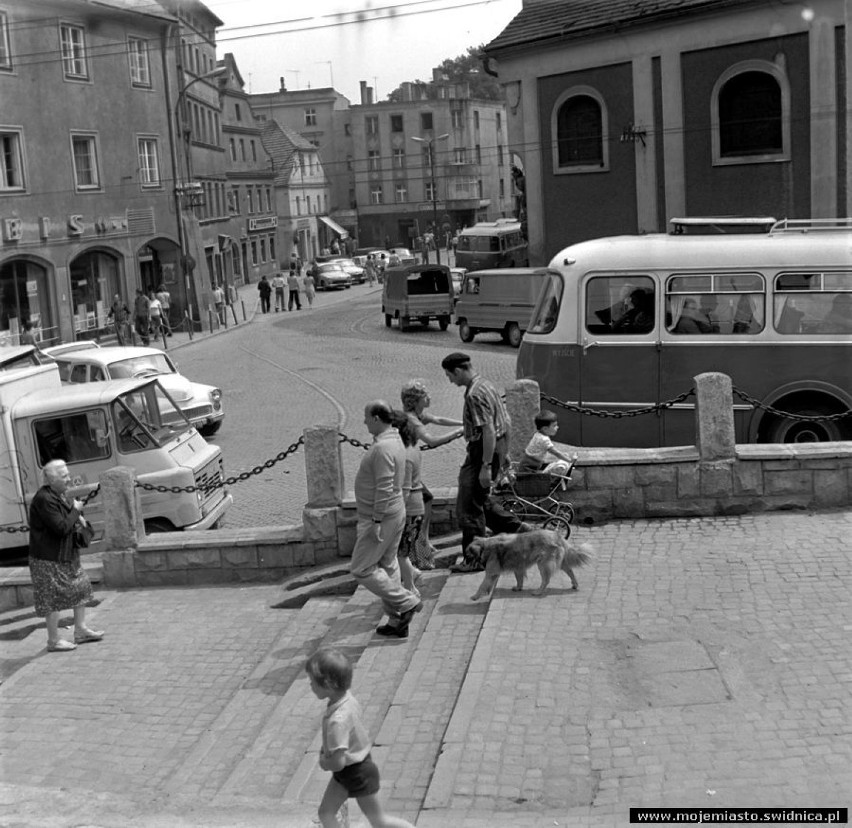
x=57, y=530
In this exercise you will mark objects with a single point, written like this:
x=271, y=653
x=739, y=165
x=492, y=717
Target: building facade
x=321, y=117
x=302, y=193
x=86, y=208
x=435, y=161
x=624, y=117
x=250, y=239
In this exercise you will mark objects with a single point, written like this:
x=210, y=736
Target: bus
x=627, y=322
x=491, y=244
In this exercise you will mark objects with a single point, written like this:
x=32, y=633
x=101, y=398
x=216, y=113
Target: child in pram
x=540, y=449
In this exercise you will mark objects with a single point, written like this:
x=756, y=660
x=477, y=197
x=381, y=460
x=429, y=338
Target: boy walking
x=346, y=746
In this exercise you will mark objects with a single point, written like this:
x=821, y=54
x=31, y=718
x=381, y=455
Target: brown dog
x=517, y=553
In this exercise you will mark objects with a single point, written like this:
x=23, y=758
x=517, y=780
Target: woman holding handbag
x=57, y=532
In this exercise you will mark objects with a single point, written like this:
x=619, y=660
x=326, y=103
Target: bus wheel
x=513, y=335
x=558, y=525
x=388, y=320
x=466, y=333
x=444, y=323
x=783, y=430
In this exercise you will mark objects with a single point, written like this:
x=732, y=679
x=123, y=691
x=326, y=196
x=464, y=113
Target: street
x=288, y=371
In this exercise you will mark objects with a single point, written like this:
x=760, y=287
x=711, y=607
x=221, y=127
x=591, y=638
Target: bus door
x=620, y=361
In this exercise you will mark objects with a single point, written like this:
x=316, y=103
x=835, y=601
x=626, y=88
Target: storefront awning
x=334, y=226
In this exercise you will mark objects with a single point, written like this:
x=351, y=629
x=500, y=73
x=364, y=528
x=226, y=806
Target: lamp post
x=430, y=144
x=187, y=189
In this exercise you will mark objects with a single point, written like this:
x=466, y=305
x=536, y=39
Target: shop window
x=94, y=281
x=24, y=297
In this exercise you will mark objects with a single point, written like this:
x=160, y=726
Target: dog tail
x=578, y=555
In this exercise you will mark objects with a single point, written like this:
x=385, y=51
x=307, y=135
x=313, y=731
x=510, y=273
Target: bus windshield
x=146, y=418
x=547, y=308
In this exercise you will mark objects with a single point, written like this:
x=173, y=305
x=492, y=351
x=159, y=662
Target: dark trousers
x=143, y=325
x=264, y=302
x=294, y=298
x=475, y=507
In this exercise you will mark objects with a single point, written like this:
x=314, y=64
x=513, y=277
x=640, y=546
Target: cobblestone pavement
x=703, y=663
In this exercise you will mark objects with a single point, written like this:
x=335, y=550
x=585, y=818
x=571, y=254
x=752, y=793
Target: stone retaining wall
x=714, y=477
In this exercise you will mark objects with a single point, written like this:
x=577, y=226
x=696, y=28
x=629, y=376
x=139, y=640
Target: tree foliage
x=466, y=67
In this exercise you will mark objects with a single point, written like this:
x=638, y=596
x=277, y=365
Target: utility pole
x=430, y=143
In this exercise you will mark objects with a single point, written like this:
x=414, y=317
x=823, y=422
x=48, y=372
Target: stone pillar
x=122, y=513
x=714, y=417
x=523, y=401
x=323, y=467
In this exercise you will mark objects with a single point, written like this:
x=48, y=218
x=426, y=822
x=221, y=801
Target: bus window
x=546, y=310
x=813, y=302
x=712, y=303
x=620, y=305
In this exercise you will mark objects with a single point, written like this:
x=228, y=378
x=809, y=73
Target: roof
x=75, y=396
x=143, y=7
x=282, y=144
x=557, y=20
x=106, y=356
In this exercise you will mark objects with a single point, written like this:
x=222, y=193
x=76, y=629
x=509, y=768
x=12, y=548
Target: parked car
x=328, y=275
x=355, y=271
x=200, y=404
x=402, y=255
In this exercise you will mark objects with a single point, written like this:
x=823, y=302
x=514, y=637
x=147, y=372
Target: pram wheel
x=558, y=524
x=514, y=506
x=566, y=511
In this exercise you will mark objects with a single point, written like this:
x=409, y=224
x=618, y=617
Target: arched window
x=579, y=127
x=750, y=113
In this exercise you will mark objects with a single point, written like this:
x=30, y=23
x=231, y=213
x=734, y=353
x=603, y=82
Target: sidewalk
x=703, y=663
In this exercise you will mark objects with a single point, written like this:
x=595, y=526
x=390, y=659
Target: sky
x=339, y=43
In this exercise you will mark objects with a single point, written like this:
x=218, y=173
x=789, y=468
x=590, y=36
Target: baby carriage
x=532, y=496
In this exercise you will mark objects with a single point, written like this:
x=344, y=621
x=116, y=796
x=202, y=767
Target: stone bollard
x=523, y=402
x=122, y=525
x=714, y=417
x=323, y=467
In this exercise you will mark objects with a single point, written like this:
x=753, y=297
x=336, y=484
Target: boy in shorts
x=346, y=746
x=540, y=449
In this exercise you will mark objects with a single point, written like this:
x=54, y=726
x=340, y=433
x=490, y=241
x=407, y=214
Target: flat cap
x=454, y=360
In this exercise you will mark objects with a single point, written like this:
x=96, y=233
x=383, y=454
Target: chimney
x=405, y=88
x=364, y=95
x=283, y=85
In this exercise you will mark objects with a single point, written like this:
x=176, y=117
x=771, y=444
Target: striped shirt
x=482, y=405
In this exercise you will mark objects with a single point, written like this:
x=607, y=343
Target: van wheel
x=388, y=320
x=424, y=321
x=444, y=323
x=512, y=334
x=466, y=333
x=210, y=429
x=404, y=322
x=158, y=525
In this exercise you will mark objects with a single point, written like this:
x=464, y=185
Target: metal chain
x=593, y=412
x=358, y=444
x=789, y=415
x=25, y=527
x=227, y=481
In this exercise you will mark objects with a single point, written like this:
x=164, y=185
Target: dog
x=517, y=553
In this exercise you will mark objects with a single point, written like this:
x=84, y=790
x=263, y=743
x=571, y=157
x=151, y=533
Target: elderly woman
x=59, y=580
x=415, y=401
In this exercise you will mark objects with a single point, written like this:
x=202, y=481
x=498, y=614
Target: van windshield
x=547, y=308
x=146, y=418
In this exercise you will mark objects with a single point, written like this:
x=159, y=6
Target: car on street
x=403, y=255
x=355, y=271
x=328, y=275
x=200, y=404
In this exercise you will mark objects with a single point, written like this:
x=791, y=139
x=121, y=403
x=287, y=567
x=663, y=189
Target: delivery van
x=498, y=300
x=418, y=291
x=491, y=244
x=94, y=427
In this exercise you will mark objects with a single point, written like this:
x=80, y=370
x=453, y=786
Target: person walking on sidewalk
x=120, y=315
x=415, y=401
x=278, y=285
x=310, y=289
x=142, y=316
x=346, y=745
x=155, y=310
x=381, y=518
x=265, y=290
x=219, y=303
x=57, y=530
x=165, y=299
x=293, y=287
x=486, y=427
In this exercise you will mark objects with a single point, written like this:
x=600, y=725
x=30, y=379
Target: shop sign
x=303, y=224
x=263, y=223
x=16, y=230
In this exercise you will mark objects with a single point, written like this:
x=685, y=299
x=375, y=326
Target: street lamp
x=429, y=143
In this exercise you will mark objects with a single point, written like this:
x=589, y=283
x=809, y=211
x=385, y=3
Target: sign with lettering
x=263, y=223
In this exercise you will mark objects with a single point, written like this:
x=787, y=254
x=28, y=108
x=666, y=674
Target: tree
x=464, y=68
